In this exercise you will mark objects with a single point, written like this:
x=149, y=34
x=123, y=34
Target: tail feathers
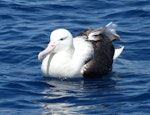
x=110, y=31
x=118, y=51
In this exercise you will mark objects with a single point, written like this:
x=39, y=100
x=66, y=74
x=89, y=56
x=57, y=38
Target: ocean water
x=25, y=26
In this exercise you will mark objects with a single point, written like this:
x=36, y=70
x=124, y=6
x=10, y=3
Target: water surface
x=24, y=31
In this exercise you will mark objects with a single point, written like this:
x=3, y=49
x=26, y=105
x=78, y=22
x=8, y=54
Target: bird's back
x=102, y=60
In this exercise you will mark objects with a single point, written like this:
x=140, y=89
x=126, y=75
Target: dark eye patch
x=63, y=38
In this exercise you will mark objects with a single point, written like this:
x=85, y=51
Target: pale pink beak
x=48, y=50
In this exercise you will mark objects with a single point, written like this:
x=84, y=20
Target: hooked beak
x=49, y=49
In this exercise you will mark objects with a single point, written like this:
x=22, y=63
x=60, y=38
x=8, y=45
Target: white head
x=61, y=40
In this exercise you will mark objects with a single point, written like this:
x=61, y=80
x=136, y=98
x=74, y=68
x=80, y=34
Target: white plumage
x=66, y=56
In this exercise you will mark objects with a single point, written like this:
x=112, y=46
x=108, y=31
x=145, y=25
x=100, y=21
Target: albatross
x=90, y=54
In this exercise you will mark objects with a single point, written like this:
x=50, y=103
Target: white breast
x=83, y=49
x=68, y=64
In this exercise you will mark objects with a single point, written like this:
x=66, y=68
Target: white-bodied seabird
x=90, y=54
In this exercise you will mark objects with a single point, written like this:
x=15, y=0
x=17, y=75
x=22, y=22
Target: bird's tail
x=110, y=31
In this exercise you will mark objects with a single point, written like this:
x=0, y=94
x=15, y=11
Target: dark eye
x=62, y=39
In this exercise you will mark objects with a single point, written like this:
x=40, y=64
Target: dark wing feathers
x=101, y=62
x=85, y=32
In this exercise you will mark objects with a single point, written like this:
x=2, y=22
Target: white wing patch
x=118, y=51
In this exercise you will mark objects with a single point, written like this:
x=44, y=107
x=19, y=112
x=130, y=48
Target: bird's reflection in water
x=72, y=96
